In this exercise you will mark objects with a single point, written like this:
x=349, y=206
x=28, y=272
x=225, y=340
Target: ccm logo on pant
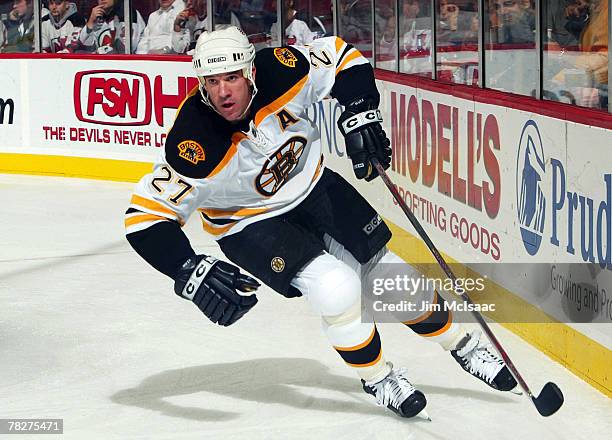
x=372, y=225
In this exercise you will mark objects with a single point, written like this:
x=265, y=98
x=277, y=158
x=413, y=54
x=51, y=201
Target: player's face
x=230, y=93
x=57, y=8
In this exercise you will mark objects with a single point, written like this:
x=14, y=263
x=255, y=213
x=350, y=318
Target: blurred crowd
x=575, y=42
x=575, y=34
x=157, y=26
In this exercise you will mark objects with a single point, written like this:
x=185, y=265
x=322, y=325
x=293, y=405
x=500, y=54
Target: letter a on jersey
x=285, y=119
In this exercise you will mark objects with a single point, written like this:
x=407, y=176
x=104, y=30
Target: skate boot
x=478, y=360
x=397, y=393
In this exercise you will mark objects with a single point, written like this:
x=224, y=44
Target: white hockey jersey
x=108, y=35
x=61, y=35
x=235, y=175
x=159, y=30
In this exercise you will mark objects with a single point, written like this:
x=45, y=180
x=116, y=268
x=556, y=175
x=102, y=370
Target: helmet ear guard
x=223, y=51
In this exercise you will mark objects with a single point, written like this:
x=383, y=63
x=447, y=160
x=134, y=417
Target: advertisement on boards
x=490, y=184
x=107, y=109
x=507, y=192
x=11, y=108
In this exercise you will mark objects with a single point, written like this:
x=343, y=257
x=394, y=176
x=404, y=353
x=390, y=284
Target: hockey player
x=244, y=155
x=61, y=27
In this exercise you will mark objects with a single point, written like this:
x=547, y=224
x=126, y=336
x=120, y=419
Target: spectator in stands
x=157, y=36
x=457, y=25
x=19, y=28
x=517, y=22
x=577, y=16
x=415, y=28
x=190, y=23
x=449, y=17
x=60, y=28
x=296, y=30
x=227, y=12
x=564, y=22
x=583, y=74
x=104, y=31
x=356, y=22
x=594, y=48
x=255, y=6
x=2, y=35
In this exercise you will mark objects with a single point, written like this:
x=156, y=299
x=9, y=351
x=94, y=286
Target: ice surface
x=89, y=333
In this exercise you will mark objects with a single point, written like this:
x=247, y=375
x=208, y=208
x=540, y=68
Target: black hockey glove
x=212, y=285
x=360, y=123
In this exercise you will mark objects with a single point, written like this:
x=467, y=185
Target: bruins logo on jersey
x=191, y=151
x=276, y=170
x=285, y=56
x=277, y=264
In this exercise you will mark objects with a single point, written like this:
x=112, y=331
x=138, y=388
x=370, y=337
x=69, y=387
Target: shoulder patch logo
x=191, y=151
x=285, y=56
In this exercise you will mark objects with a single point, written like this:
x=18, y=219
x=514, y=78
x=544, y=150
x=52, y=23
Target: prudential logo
x=530, y=199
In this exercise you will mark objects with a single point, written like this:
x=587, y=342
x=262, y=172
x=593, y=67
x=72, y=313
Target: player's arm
x=157, y=211
x=340, y=70
x=162, y=202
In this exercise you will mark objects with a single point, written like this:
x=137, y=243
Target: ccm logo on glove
x=361, y=119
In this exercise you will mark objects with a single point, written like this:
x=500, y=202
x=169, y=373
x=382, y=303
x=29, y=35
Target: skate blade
x=424, y=415
x=516, y=392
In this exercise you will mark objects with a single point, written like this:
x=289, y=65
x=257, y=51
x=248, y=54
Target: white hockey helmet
x=222, y=51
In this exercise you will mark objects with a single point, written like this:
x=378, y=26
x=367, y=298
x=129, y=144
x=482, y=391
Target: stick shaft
x=449, y=273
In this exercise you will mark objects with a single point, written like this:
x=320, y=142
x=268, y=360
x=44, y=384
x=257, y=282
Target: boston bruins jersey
x=236, y=174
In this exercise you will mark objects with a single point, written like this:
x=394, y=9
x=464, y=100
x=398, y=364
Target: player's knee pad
x=329, y=285
x=350, y=315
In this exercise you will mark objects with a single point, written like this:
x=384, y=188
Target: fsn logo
x=112, y=97
x=530, y=199
x=121, y=97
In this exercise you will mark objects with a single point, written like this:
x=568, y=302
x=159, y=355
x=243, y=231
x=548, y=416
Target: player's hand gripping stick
x=213, y=286
x=364, y=137
x=550, y=398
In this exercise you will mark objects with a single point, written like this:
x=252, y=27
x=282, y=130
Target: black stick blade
x=549, y=400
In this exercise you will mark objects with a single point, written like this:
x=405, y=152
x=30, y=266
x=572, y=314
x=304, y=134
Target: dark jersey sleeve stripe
x=355, y=82
x=163, y=245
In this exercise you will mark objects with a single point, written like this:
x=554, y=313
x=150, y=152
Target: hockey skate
x=478, y=360
x=397, y=393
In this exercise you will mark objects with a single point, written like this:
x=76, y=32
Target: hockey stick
x=550, y=398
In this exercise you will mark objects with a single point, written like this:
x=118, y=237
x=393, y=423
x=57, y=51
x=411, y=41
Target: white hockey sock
x=358, y=343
